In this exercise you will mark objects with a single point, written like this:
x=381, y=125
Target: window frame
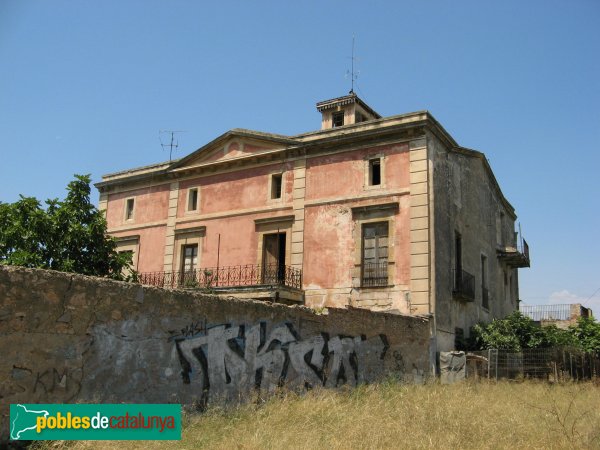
x=194, y=266
x=485, y=297
x=374, y=163
x=384, y=212
x=190, y=192
x=337, y=115
x=129, y=212
x=368, y=168
x=379, y=276
x=279, y=175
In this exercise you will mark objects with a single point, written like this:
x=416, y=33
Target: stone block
x=418, y=155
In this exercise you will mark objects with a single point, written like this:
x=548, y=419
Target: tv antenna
x=353, y=75
x=173, y=144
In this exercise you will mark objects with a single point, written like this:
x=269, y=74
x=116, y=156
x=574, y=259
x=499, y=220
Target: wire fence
x=553, y=364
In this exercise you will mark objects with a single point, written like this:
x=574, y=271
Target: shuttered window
x=375, y=254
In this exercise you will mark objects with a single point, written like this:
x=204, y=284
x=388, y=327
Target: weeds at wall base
x=484, y=415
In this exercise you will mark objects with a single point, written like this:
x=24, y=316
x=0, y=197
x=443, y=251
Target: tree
x=68, y=235
x=516, y=332
x=587, y=333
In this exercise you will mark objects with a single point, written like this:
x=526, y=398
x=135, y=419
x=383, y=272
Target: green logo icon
x=95, y=422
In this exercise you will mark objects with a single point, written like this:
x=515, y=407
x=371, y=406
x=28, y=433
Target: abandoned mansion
x=384, y=213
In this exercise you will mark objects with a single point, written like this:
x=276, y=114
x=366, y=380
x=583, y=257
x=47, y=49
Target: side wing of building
x=476, y=249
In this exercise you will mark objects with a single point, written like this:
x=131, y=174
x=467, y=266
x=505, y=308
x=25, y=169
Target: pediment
x=233, y=145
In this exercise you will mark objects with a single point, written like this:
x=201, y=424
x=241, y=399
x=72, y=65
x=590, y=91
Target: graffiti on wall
x=228, y=362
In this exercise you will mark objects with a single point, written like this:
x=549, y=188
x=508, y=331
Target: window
x=337, y=119
x=375, y=172
x=192, y=204
x=374, y=254
x=130, y=245
x=274, y=258
x=500, y=229
x=276, y=184
x=129, y=204
x=463, y=282
x=457, y=259
x=129, y=253
x=485, y=301
x=190, y=258
x=358, y=117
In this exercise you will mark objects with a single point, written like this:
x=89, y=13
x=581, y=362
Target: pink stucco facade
x=235, y=209
x=368, y=212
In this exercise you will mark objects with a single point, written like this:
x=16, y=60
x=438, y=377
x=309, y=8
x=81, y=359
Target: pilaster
x=298, y=204
x=171, y=220
x=420, y=221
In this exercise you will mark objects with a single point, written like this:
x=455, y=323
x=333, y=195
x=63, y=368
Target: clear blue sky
x=85, y=87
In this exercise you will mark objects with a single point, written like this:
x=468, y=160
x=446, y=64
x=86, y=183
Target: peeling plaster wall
x=70, y=338
x=332, y=233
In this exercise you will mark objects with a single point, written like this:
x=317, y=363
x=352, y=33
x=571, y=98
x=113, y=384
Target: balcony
x=515, y=256
x=464, y=285
x=223, y=278
x=374, y=275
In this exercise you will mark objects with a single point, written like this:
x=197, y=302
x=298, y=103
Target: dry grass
x=526, y=415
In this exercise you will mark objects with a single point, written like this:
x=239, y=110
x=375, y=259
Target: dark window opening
x=458, y=258
x=276, y=182
x=375, y=172
x=274, y=258
x=337, y=119
x=484, y=288
x=129, y=209
x=463, y=282
x=460, y=340
x=193, y=200
x=374, y=254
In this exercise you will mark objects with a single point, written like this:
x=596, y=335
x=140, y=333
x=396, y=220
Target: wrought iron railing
x=464, y=285
x=374, y=274
x=525, y=248
x=546, y=312
x=228, y=276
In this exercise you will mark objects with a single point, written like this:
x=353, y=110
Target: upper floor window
x=375, y=172
x=192, y=203
x=337, y=119
x=500, y=229
x=129, y=206
x=276, y=185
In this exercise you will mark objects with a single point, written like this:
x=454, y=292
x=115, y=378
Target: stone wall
x=466, y=201
x=69, y=338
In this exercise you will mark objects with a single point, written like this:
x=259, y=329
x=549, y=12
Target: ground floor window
x=374, y=262
x=274, y=258
x=189, y=264
x=190, y=258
